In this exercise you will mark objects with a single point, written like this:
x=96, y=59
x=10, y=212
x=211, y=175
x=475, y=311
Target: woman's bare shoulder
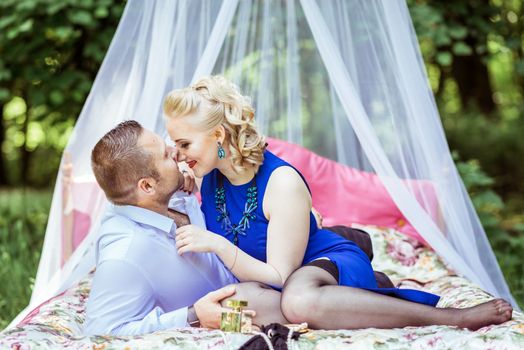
x=286, y=181
x=285, y=176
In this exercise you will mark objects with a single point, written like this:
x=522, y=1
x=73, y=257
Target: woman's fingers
x=251, y=313
x=187, y=249
x=183, y=250
x=183, y=229
x=183, y=240
x=189, y=181
x=191, y=184
x=179, y=243
x=189, y=238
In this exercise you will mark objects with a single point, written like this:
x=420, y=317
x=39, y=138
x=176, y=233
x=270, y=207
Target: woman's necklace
x=249, y=208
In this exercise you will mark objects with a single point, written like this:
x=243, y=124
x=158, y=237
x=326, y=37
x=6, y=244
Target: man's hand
x=208, y=308
x=318, y=217
x=179, y=218
x=192, y=238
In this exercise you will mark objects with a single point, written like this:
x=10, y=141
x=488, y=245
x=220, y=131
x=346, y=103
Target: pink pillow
x=345, y=196
x=84, y=202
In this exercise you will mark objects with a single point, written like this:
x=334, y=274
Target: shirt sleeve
x=122, y=302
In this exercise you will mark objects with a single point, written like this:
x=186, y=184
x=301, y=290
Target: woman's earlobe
x=220, y=134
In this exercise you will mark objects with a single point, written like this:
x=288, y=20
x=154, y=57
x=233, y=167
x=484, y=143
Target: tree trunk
x=441, y=81
x=518, y=57
x=470, y=70
x=25, y=155
x=3, y=169
x=472, y=77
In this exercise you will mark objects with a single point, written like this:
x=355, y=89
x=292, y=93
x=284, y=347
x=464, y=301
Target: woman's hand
x=189, y=177
x=192, y=238
x=189, y=181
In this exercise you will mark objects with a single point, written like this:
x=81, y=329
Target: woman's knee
x=299, y=305
x=299, y=302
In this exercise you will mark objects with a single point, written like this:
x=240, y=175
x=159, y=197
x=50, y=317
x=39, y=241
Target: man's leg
x=357, y=236
x=311, y=295
x=362, y=239
x=264, y=300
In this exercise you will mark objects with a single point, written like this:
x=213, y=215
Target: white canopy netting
x=343, y=78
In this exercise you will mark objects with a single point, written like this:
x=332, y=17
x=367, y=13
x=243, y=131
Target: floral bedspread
x=58, y=323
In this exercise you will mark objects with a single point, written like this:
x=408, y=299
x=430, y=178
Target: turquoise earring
x=221, y=152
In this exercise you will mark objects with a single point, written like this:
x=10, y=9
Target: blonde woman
x=258, y=212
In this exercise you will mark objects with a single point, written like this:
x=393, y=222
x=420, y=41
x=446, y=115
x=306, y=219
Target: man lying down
x=141, y=283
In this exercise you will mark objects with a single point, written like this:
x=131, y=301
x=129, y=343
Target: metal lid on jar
x=235, y=304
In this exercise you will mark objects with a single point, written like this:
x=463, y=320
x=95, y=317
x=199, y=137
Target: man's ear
x=220, y=134
x=147, y=185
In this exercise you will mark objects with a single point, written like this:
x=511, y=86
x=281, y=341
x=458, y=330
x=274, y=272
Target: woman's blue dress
x=353, y=264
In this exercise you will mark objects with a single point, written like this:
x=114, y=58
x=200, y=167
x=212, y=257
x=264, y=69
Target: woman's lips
x=191, y=164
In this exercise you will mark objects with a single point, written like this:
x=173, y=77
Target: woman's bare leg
x=312, y=295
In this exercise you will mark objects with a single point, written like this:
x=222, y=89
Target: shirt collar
x=146, y=217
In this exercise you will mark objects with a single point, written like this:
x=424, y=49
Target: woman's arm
x=192, y=238
x=287, y=205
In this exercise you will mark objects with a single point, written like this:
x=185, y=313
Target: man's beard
x=164, y=196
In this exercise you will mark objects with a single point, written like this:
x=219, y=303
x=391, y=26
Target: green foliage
x=487, y=203
x=447, y=27
x=497, y=144
x=483, y=118
x=50, y=52
x=506, y=237
x=23, y=216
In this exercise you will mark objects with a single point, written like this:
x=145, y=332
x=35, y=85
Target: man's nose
x=172, y=153
x=180, y=157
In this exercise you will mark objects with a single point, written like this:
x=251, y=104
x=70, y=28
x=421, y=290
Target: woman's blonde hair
x=227, y=107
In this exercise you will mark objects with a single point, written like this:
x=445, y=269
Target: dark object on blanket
x=362, y=239
x=278, y=335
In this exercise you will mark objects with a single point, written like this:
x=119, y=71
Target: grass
x=23, y=218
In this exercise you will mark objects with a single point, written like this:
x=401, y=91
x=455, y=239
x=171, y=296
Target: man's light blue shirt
x=141, y=284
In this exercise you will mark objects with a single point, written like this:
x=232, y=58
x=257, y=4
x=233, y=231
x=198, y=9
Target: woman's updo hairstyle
x=227, y=107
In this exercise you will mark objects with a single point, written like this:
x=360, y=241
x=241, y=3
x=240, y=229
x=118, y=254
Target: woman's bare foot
x=492, y=312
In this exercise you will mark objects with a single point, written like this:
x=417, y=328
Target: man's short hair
x=118, y=162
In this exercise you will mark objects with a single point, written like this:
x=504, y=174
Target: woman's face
x=196, y=147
